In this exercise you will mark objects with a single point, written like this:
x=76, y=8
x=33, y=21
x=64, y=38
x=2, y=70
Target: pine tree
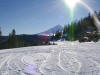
x=12, y=40
x=0, y=35
x=0, y=32
x=58, y=35
x=65, y=29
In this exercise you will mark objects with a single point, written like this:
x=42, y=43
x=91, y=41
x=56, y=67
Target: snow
x=66, y=58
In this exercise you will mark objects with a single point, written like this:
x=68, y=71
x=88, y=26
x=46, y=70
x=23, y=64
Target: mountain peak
x=52, y=30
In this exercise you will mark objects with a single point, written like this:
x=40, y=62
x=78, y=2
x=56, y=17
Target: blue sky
x=34, y=16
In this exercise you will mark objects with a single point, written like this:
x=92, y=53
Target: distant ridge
x=36, y=37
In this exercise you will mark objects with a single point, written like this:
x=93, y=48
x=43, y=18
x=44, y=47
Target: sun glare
x=71, y=3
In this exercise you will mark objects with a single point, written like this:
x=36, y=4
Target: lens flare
x=96, y=20
x=71, y=3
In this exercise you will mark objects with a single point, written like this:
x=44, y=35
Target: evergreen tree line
x=16, y=41
x=12, y=41
x=82, y=30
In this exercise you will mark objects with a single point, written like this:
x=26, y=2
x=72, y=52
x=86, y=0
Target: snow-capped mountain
x=52, y=30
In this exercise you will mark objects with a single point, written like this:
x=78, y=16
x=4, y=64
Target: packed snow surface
x=66, y=58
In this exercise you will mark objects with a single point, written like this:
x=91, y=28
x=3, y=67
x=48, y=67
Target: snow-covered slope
x=66, y=58
x=52, y=30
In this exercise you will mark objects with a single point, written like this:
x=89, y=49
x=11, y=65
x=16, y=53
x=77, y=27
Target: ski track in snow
x=66, y=58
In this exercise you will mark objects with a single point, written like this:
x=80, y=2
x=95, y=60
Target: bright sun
x=71, y=3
